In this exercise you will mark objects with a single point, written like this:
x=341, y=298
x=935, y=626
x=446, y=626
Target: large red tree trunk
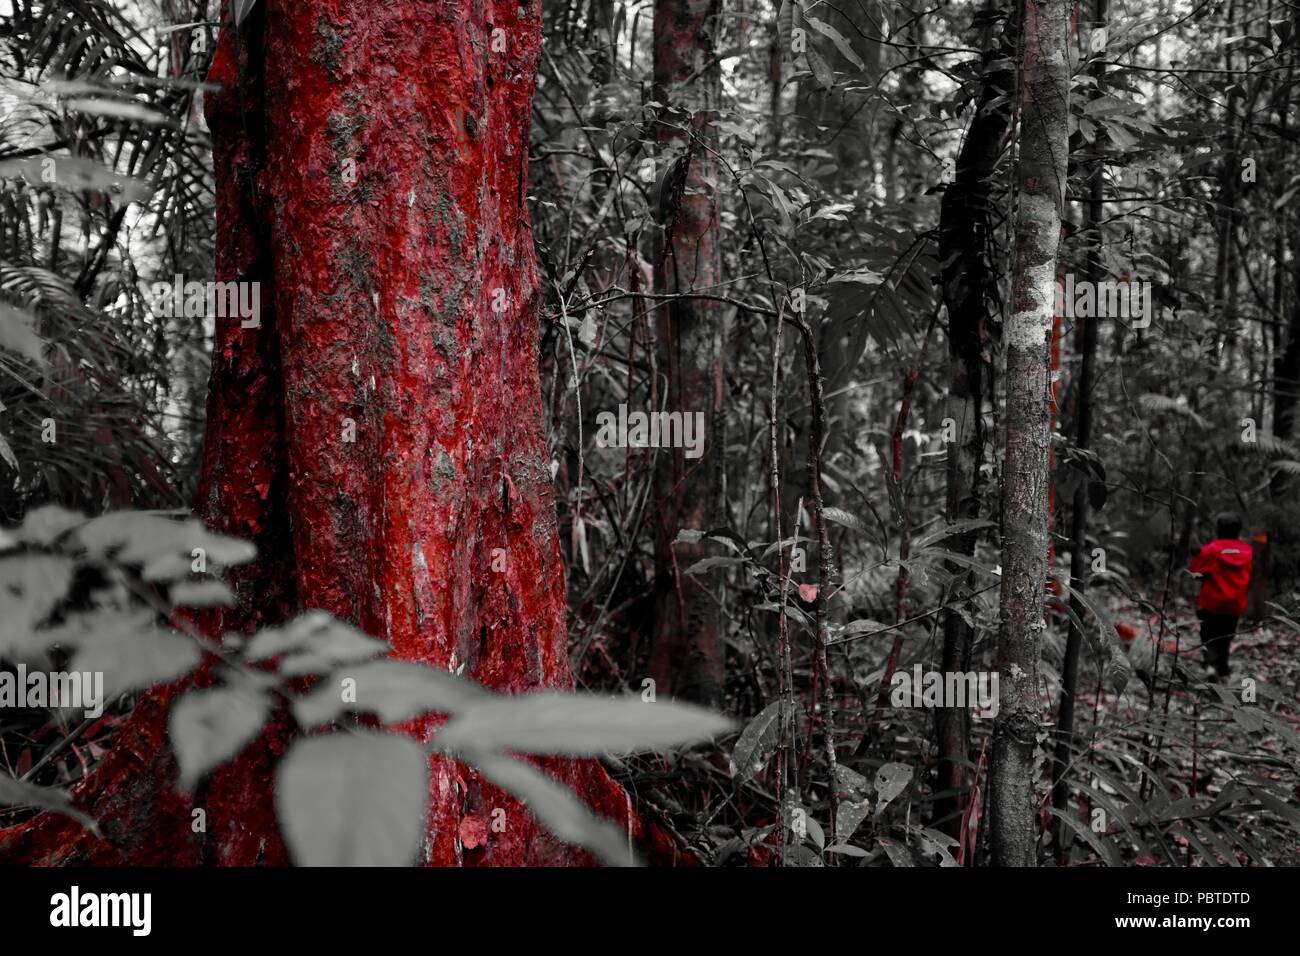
x=379, y=436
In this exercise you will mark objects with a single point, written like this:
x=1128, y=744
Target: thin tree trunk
x=816, y=440
x=1079, y=557
x=1286, y=358
x=1286, y=383
x=687, y=652
x=970, y=296
x=606, y=48
x=903, y=577
x=1225, y=285
x=776, y=76
x=1040, y=188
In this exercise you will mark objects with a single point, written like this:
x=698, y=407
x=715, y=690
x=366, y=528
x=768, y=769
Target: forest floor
x=1175, y=770
x=1214, y=765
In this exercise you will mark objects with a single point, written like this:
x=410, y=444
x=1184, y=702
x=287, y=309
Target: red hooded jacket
x=1225, y=564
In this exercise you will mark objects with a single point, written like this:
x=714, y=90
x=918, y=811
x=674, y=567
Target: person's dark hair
x=1227, y=525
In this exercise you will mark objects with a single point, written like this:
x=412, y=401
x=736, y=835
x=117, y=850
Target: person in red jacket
x=1224, y=566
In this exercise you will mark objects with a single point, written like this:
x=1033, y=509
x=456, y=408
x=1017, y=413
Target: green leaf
x=949, y=530
x=18, y=334
x=798, y=855
x=118, y=109
x=30, y=586
x=891, y=780
x=815, y=832
x=7, y=454
x=841, y=44
x=17, y=793
x=549, y=722
x=202, y=594
x=898, y=853
x=555, y=806
x=791, y=611
x=790, y=542
x=849, y=781
x=1105, y=848
x=1248, y=718
x=1119, y=670
x=889, y=321
x=933, y=843
x=1278, y=807
x=1111, y=105
x=313, y=644
x=168, y=567
x=158, y=543
x=862, y=626
x=842, y=517
x=1120, y=136
x=758, y=741
x=208, y=727
x=708, y=564
x=933, y=556
x=862, y=276
x=1151, y=402
x=131, y=650
x=820, y=68
x=728, y=537
x=77, y=173
x=395, y=690
x=44, y=526
x=846, y=849
x=848, y=816
x=353, y=799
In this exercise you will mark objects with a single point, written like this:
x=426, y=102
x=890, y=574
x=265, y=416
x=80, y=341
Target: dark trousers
x=1217, y=631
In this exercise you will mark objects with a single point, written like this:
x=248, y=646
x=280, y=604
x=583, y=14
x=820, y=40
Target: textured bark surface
x=1286, y=358
x=1040, y=187
x=1286, y=387
x=687, y=656
x=400, y=308
x=1080, y=561
x=971, y=297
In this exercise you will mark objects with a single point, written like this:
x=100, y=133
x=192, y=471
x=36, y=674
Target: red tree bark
x=379, y=436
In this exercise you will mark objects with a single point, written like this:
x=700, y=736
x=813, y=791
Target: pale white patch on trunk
x=1028, y=330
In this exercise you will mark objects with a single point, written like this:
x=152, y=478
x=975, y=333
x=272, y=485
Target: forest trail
x=1216, y=747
